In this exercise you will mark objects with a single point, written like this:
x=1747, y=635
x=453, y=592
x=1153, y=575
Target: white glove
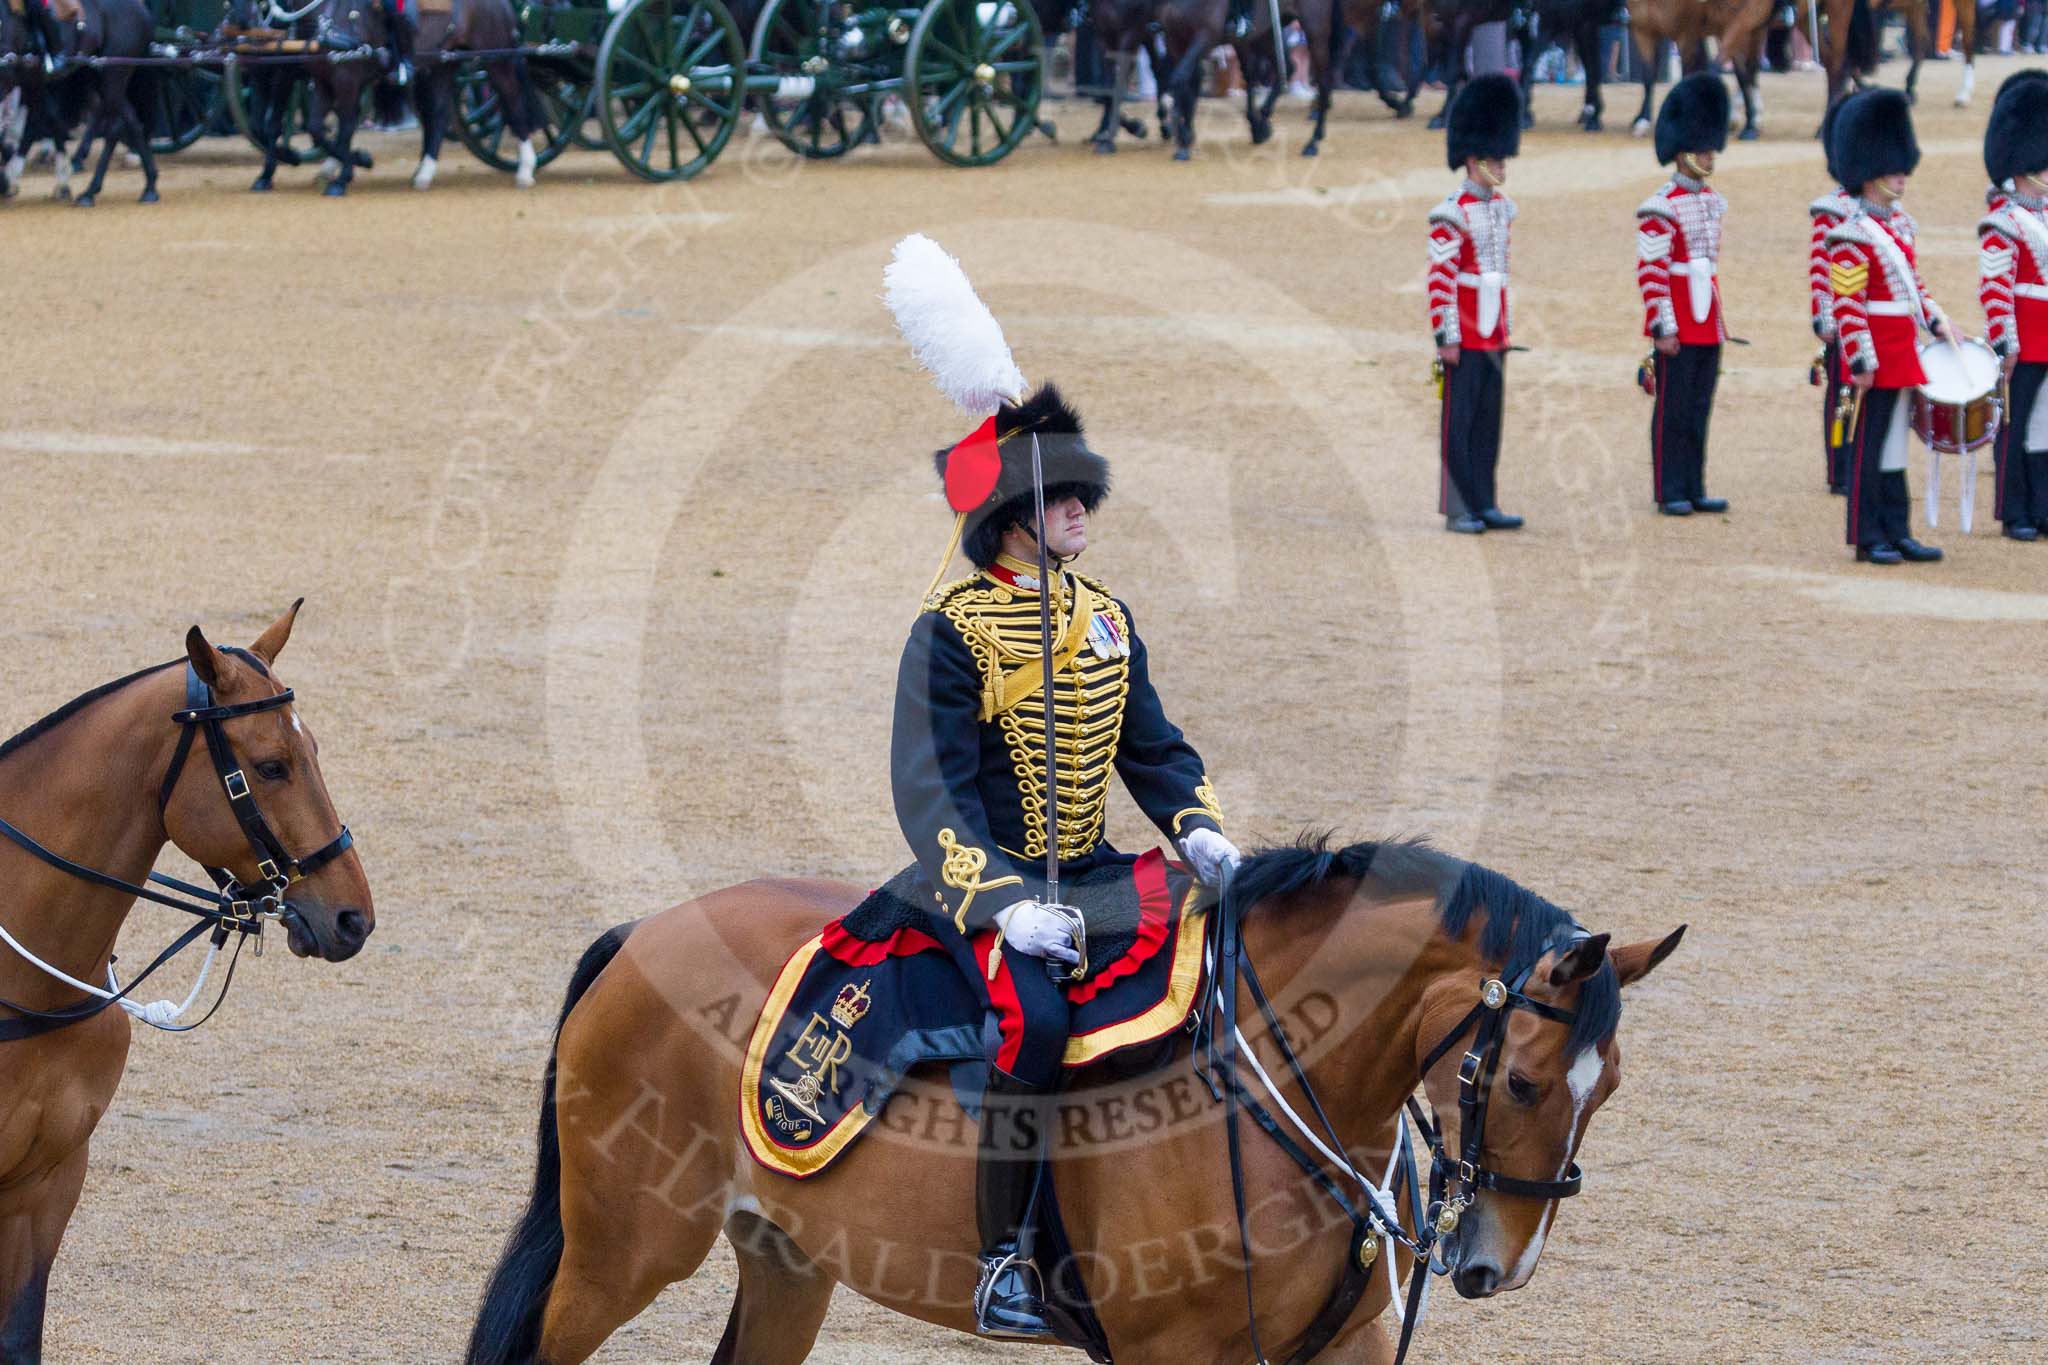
x=1031, y=928
x=1209, y=853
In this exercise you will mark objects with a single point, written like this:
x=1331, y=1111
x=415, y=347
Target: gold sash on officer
x=1023, y=684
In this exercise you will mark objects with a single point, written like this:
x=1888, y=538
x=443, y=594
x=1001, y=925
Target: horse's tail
x=1862, y=46
x=507, y=1330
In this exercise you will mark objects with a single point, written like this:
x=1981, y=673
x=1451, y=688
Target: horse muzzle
x=340, y=939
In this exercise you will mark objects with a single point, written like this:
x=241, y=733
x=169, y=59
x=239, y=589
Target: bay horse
x=1851, y=47
x=91, y=794
x=1738, y=28
x=1378, y=959
x=1192, y=28
x=107, y=102
x=1119, y=27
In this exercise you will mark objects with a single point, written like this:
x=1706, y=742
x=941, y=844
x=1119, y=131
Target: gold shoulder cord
x=962, y=871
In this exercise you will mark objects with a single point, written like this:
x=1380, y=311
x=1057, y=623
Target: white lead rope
x=157, y=1013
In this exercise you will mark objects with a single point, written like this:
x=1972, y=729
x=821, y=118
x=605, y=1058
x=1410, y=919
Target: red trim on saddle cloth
x=859, y=952
x=1002, y=997
x=1155, y=906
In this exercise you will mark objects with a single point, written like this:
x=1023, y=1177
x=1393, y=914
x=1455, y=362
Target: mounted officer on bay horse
x=1007, y=828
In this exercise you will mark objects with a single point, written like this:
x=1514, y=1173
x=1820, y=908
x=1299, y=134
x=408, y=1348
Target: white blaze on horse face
x=1580, y=1081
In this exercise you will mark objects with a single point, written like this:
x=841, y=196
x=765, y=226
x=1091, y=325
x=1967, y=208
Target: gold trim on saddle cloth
x=1170, y=1011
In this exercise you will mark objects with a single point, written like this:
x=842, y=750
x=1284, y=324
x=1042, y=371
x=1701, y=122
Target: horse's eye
x=1521, y=1089
x=270, y=770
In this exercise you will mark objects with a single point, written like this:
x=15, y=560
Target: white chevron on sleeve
x=1652, y=246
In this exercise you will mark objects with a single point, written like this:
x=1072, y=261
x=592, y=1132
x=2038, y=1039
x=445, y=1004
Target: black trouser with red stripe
x=1032, y=1013
x=1678, y=423
x=1830, y=404
x=1880, y=507
x=2022, y=473
x=1474, y=393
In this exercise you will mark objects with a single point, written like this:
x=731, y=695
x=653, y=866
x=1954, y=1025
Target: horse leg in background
x=106, y=122
x=1587, y=41
x=1256, y=116
x=140, y=95
x=1457, y=33
x=1641, y=126
x=269, y=126
x=1533, y=49
x=28, y=1246
x=1320, y=28
x=1917, y=43
x=1185, y=83
x=515, y=97
x=348, y=111
x=1747, y=69
x=433, y=92
x=782, y=1297
x=1104, y=141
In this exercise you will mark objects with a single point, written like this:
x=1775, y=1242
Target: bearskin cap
x=2016, y=139
x=1071, y=470
x=1874, y=138
x=1827, y=134
x=1694, y=117
x=1485, y=121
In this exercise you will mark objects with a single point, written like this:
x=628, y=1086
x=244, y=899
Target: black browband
x=230, y=907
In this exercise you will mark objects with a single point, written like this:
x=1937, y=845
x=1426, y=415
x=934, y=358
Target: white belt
x=1491, y=285
x=1889, y=308
x=2030, y=291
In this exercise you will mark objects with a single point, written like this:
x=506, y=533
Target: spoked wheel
x=188, y=102
x=480, y=118
x=972, y=78
x=794, y=41
x=671, y=76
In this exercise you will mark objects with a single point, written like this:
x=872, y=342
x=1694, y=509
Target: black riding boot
x=399, y=28
x=49, y=32
x=1009, y=1301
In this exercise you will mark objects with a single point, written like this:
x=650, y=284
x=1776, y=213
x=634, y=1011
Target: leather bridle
x=1214, y=1026
x=233, y=906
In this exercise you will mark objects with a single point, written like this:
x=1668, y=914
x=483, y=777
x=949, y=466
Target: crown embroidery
x=852, y=1004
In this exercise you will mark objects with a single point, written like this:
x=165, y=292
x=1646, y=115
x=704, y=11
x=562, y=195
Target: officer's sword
x=1059, y=970
x=1052, y=757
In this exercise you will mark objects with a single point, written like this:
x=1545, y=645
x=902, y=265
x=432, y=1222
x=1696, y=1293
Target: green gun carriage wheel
x=186, y=104
x=801, y=44
x=671, y=79
x=972, y=78
x=480, y=121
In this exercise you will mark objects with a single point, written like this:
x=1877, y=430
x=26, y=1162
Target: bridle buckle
x=236, y=784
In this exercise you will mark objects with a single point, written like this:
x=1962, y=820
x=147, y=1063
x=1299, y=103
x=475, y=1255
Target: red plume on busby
x=1693, y=118
x=2016, y=139
x=987, y=475
x=1484, y=121
x=1874, y=138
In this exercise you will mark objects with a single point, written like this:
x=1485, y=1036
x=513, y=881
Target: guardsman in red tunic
x=1469, y=311
x=1881, y=307
x=1828, y=212
x=2013, y=285
x=1678, y=255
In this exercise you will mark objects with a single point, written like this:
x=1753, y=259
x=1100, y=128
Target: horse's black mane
x=1519, y=924
x=77, y=704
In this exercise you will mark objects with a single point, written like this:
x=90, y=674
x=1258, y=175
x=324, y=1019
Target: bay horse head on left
x=276, y=826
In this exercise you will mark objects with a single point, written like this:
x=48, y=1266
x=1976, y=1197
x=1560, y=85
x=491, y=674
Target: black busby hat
x=1827, y=133
x=1694, y=117
x=1071, y=469
x=1874, y=137
x=1484, y=121
x=2016, y=139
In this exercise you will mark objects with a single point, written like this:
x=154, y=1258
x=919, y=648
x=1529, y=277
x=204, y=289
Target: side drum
x=1957, y=409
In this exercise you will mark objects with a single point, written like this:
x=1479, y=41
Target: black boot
x=1009, y=1300
x=49, y=32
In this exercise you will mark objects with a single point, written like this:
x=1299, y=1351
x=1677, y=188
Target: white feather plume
x=950, y=330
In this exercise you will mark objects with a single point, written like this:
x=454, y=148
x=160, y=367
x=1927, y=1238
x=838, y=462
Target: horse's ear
x=1633, y=961
x=205, y=658
x=1579, y=961
x=272, y=640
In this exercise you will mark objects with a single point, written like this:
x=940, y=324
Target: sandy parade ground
x=612, y=503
